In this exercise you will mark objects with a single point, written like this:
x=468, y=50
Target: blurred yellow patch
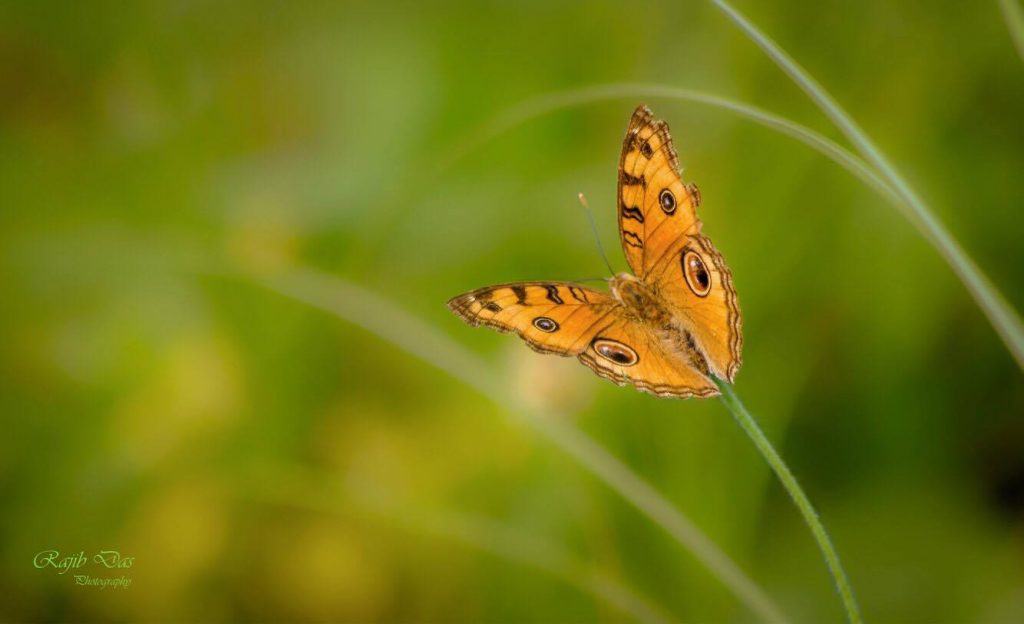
x=176, y=536
x=194, y=392
x=421, y=459
x=550, y=383
x=263, y=238
x=323, y=570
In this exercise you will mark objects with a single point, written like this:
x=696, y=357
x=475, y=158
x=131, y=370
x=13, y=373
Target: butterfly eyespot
x=667, y=201
x=616, y=352
x=493, y=307
x=646, y=150
x=545, y=324
x=696, y=273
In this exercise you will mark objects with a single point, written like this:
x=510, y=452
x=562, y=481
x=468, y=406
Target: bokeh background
x=163, y=162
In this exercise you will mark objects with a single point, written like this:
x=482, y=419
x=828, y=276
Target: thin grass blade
x=1014, y=17
x=747, y=422
x=1000, y=314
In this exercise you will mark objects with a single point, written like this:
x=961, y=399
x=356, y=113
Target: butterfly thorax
x=639, y=300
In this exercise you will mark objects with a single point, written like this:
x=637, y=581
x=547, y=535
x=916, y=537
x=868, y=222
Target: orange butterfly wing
x=655, y=206
x=628, y=352
x=552, y=317
x=661, y=238
x=696, y=287
x=570, y=320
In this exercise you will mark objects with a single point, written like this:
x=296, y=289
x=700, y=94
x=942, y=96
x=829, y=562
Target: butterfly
x=667, y=327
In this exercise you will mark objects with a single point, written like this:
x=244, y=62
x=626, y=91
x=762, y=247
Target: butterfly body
x=644, y=306
x=668, y=327
x=638, y=299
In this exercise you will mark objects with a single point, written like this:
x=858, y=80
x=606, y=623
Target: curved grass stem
x=551, y=102
x=1000, y=314
x=749, y=425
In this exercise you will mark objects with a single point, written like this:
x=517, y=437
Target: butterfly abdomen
x=681, y=342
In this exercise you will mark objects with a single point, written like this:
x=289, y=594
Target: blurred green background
x=264, y=460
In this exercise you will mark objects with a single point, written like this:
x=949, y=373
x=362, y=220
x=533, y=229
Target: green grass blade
x=1014, y=17
x=551, y=102
x=999, y=313
x=416, y=337
x=746, y=421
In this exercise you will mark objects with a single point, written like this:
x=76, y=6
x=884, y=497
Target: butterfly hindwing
x=627, y=352
x=695, y=286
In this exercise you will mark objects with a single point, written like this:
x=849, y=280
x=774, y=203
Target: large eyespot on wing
x=625, y=353
x=695, y=273
x=552, y=317
x=615, y=351
x=655, y=207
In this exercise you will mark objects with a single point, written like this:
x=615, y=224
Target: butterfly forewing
x=552, y=317
x=655, y=207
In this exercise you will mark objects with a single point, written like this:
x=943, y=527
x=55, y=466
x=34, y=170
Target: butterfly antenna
x=593, y=228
